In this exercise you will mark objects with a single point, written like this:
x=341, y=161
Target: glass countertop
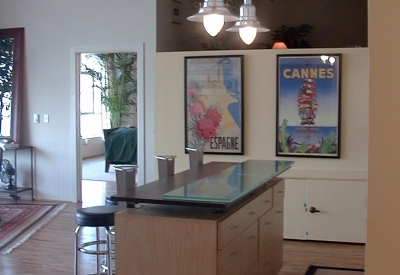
x=231, y=183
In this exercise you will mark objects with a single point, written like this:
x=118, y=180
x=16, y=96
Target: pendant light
x=213, y=14
x=247, y=25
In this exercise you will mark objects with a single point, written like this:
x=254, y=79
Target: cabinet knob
x=252, y=213
x=313, y=210
x=234, y=227
x=233, y=254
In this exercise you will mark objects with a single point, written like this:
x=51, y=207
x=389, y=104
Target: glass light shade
x=248, y=20
x=211, y=8
x=248, y=34
x=213, y=23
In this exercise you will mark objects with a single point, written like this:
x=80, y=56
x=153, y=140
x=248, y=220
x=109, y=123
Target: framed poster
x=308, y=105
x=214, y=104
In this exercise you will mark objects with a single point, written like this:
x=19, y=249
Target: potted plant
x=117, y=82
x=292, y=36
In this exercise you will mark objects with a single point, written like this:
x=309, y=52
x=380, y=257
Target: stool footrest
x=93, y=252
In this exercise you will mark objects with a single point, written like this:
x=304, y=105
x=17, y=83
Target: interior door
x=340, y=210
x=295, y=215
x=141, y=158
x=325, y=210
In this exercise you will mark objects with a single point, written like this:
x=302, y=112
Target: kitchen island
x=220, y=218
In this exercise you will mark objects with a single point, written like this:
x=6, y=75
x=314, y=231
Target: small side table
x=14, y=191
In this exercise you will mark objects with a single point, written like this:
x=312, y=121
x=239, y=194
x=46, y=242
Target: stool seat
x=110, y=202
x=102, y=215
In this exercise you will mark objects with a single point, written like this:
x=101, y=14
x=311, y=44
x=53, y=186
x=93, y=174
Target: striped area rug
x=325, y=270
x=20, y=221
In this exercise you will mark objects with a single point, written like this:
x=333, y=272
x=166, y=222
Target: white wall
x=52, y=30
x=336, y=23
x=260, y=112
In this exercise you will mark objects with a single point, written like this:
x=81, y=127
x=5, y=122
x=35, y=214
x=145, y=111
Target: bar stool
x=195, y=157
x=95, y=216
x=166, y=166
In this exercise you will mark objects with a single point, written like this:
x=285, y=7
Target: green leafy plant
x=284, y=139
x=292, y=36
x=117, y=82
x=328, y=145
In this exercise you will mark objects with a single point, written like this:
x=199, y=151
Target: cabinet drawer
x=234, y=225
x=266, y=233
x=278, y=193
x=229, y=258
x=265, y=265
x=253, y=270
x=263, y=202
x=249, y=247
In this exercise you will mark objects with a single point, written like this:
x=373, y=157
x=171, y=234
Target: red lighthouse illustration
x=307, y=102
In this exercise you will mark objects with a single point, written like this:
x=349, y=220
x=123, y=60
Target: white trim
x=75, y=61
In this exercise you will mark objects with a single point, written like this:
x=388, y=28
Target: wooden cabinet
x=342, y=207
x=271, y=235
x=230, y=227
x=176, y=240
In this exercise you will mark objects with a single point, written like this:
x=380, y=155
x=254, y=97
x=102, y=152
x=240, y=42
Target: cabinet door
x=343, y=210
x=342, y=206
x=277, y=244
x=249, y=247
x=295, y=215
x=277, y=232
x=229, y=258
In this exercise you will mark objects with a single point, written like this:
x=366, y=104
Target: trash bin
x=195, y=157
x=166, y=166
x=126, y=179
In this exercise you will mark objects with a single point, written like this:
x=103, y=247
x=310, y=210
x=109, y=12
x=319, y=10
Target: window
x=94, y=117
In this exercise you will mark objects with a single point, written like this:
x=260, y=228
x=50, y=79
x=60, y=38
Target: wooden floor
x=51, y=249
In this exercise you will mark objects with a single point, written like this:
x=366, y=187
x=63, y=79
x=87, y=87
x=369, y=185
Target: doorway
x=138, y=49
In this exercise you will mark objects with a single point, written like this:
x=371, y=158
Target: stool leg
x=98, y=262
x=78, y=228
x=109, y=251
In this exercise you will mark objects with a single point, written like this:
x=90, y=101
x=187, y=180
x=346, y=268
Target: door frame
x=75, y=58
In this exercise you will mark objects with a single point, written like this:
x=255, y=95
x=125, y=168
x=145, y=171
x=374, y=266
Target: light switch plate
x=36, y=118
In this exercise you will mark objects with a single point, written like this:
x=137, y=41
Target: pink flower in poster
x=205, y=128
x=215, y=116
x=192, y=91
x=197, y=109
x=203, y=120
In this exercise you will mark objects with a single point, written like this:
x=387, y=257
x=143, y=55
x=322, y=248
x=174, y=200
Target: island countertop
x=215, y=184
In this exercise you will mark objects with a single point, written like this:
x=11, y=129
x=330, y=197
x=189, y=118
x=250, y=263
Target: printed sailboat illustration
x=307, y=102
